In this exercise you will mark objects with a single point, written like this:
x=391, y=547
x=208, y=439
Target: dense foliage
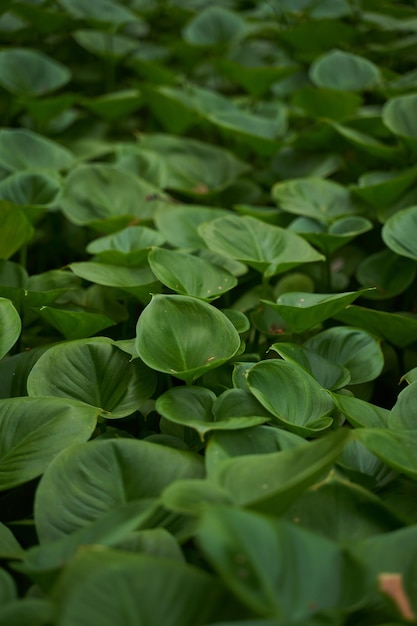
x=208, y=329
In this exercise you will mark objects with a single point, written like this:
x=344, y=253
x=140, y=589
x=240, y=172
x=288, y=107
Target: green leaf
x=129, y=246
x=342, y=70
x=353, y=348
x=398, y=115
x=384, y=188
x=403, y=415
x=112, y=106
x=322, y=200
x=38, y=189
x=26, y=72
x=361, y=413
x=110, y=529
x=192, y=497
x=34, y=430
x=179, y=224
x=363, y=467
x=8, y=591
x=297, y=400
x=95, y=372
x=9, y=546
x=10, y=326
x=33, y=611
x=224, y=445
x=369, y=143
x=393, y=554
x=190, y=275
x=330, y=238
x=396, y=448
x=22, y=149
x=328, y=374
x=326, y=103
x=186, y=165
x=198, y=408
x=302, y=310
x=111, y=586
x=86, y=481
x=139, y=281
x=98, y=192
x=15, y=229
x=399, y=231
x=74, y=324
x=398, y=328
x=215, y=26
x=270, y=483
x=184, y=336
x=106, y=11
x=269, y=249
x=256, y=79
x=388, y=273
x=340, y=510
x=259, y=132
x=260, y=560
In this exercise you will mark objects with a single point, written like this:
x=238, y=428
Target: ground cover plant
x=208, y=330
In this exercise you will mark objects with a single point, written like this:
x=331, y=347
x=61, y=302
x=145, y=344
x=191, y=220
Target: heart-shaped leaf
x=26, y=72
x=89, y=480
x=93, y=371
x=269, y=249
x=190, y=275
x=398, y=115
x=330, y=375
x=198, y=408
x=22, y=149
x=398, y=232
x=184, y=336
x=353, y=348
x=322, y=200
x=342, y=70
x=297, y=400
x=303, y=311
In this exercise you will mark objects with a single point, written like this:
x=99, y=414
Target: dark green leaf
x=34, y=430
x=95, y=372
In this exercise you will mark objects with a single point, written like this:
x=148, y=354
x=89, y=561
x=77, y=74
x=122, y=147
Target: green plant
x=207, y=303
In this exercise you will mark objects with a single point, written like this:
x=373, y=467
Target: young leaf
x=184, y=336
x=303, y=311
x=298, y=402
x=190, y=275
